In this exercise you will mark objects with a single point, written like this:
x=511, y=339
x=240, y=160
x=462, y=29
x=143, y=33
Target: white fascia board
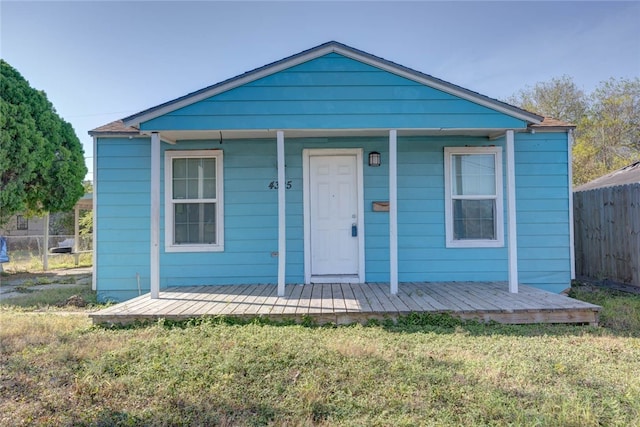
x=316, y=53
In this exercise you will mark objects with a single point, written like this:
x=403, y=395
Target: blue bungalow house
x=330, y=166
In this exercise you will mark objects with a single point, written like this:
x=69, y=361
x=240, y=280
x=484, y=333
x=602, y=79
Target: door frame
x=306, y=159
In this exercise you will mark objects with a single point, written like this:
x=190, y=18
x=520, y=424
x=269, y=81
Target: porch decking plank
x=129, y=305
x=491, y=297
x=170, y=301
x=347, y=303
x=315, y=304
x=462, y=299
x=281, y=302
x=294, y=300
x=248, y=301
x=499, y=293
x=303, y=303
x=406, y=298
x=192, y=304
x=350, y=300
x=201, y=307
x=326, y=301
x=361, y=298
x=424, y=298
x=224, y=301
x=471, y=300
x=240, y=303
x=260, y=305
x=396, y=300
x=371, y=298
x=339, y=305
x=450, y=300
x=385, y=302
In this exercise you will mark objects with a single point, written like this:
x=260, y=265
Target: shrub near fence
x=607, y=233
x=26, y=252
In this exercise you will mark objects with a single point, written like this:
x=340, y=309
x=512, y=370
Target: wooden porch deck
x=349, y=303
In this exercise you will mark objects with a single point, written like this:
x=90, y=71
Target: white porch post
x=572, y=246
x=393, y=211
x=282, y=223
x=155, y=216
x=511, y=213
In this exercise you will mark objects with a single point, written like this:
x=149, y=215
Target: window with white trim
x=194, y=212
x=473, y=196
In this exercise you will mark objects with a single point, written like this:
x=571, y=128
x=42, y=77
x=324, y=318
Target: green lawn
x=58, y=369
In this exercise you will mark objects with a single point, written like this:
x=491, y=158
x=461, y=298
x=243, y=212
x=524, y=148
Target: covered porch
x=355, y=303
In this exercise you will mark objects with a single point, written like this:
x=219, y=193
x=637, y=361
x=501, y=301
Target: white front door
x=333, y=208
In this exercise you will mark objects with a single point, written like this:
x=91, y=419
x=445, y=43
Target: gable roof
x=627, y=175
x=316, y=52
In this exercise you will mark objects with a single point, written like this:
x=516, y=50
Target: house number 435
x=274, y=185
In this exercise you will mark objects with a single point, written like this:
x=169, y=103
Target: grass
x=30, y=263
x=620, y=310
x=423, y=370
x=47, y=299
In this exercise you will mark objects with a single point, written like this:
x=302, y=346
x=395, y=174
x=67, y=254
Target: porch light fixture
x=374, y=159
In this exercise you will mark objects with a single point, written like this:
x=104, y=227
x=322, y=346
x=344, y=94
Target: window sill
x=194, y=248
x=475, y=244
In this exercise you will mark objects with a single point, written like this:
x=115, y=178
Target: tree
x=559, y=98
x=41, y=159
x=607, y=121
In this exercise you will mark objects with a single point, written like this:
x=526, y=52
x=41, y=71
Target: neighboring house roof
x=550, y=122
x=316, y=52
x=85, y=202
x=627, y=175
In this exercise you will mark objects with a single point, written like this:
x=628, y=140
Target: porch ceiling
x=217, y=134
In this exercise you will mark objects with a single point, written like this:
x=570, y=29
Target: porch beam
x=511, y=213
x=154, y=254
x=282, y=223
x=393, y=211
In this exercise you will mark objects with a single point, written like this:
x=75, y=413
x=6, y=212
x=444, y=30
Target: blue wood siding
x=332, y=92
x=251, y=233
x=543, y=210
x=122, y=249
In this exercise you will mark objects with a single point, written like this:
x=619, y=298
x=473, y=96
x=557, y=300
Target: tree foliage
x=607, y=121
x=559, y=98
x=41, y=159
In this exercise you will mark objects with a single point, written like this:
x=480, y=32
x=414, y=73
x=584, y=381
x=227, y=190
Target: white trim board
x=450, y=242
x=306, y=155
x=169, y=225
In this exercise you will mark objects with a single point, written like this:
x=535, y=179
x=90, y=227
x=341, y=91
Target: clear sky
x=101, y=61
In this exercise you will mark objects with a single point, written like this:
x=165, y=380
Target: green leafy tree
x=607, y=121
x=41, y=159
x=559, y=98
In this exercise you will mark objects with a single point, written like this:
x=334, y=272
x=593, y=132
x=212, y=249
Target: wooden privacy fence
x=607, y=233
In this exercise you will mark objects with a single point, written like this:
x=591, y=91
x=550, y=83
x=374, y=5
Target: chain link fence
x=26, y=253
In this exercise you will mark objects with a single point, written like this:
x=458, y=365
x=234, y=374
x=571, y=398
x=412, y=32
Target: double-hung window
x=473, y=196
x=194, y=201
